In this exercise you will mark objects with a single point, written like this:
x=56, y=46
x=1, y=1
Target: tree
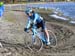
x=7, y=1
x=14, y=1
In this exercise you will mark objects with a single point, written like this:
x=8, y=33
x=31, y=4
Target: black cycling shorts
x=41, y=24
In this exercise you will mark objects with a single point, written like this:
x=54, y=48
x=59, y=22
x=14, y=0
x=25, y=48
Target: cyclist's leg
x=45, y=31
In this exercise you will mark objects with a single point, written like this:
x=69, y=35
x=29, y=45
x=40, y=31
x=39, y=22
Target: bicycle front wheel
x=37, y=45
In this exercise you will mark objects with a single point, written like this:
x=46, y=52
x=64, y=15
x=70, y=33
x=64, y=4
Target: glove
x=25, y=29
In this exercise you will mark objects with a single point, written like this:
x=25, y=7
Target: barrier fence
x=10, y=7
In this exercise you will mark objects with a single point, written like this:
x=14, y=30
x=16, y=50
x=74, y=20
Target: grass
x=42, y=10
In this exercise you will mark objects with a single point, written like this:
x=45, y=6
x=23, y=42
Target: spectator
x=1, y=9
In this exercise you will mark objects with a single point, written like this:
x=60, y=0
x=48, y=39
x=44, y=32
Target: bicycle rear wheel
x=36, y=46
x=53, y=39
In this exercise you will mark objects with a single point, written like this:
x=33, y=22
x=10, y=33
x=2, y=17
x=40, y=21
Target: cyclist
x=35, y=21
x=1, y=9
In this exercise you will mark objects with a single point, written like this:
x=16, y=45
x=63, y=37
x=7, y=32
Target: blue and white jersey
x=36, y=18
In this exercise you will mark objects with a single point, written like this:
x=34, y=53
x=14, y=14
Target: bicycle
x=40, y=41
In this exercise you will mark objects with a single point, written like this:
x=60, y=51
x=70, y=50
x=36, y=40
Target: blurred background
x=18, y=1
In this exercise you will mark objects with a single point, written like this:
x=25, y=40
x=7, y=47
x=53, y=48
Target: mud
x=13, y=37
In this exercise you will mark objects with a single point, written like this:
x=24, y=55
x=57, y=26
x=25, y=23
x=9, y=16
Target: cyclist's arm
x=36, y=17
x=28, y=23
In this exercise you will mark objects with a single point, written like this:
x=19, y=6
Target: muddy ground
x=13, y=37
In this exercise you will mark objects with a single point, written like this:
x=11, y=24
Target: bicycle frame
x=42, y=36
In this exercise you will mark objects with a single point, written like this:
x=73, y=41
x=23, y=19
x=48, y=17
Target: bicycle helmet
x=1, y=3
x=27, y=11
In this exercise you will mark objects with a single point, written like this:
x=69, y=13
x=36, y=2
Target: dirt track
x=13, y=37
